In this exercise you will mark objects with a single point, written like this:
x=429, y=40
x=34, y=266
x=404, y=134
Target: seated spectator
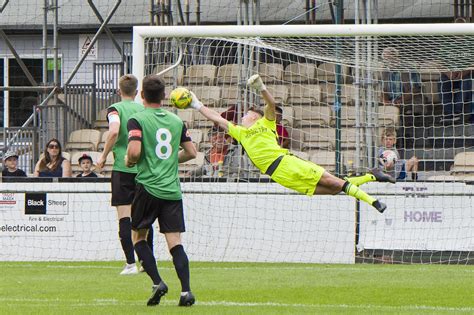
x=401, y=88
x=86, y=163
x=52, y=163
x=10, y=161
x=401, y=167
x=283, y=135
x=456, y=96
x=223, y=159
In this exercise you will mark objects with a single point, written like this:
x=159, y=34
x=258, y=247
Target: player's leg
x=330, y=184
x=149, y=240
x=144, y=213
x=375, y=175
x=125, y=236
x=171, y=220
x=123, y=186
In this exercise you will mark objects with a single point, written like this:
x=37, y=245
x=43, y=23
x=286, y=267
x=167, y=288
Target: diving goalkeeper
x=258, y=137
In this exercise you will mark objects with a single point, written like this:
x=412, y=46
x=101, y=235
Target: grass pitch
x=239, y=288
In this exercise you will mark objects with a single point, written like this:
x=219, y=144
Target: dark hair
x=153, y=89
x=278, y=109
x=128, y=84
x=256, y=110
x=47, y=158
x=85, y=156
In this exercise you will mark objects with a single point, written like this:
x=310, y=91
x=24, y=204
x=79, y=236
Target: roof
x=78, y=14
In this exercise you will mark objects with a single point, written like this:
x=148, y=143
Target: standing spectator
x=52, y=163
x=283, y=135
x=123, y=177
x=10, y=161
x=401, y=167
x=401, y=88
x=456, y=95
x=85, y=162
x=155, y=136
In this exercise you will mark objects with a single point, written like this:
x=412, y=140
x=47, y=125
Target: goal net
x=347, y=93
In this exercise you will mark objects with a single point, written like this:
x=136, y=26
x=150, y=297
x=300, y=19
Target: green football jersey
x=259, y=141
x=125, y=109
x=161, y=134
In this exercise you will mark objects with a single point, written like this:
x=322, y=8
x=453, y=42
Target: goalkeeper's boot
x=158, y=291
x=381, y=176
x=187, y=299
x=380, y=206
x=129, y=269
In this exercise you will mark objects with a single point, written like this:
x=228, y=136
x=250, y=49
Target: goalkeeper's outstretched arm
x=210, y=114
x=256, y=83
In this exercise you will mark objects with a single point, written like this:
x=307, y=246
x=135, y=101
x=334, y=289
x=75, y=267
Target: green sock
x=356, y=192
x=359, y=180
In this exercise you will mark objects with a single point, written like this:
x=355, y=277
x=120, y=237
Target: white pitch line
x=266, y=267
x=115, y=302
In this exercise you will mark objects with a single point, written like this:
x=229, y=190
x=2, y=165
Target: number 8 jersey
x=161, y=133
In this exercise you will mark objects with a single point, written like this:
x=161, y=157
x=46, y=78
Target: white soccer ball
x=389, y=158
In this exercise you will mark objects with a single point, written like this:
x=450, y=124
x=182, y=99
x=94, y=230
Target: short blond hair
x=389, y=132
x=128, y=84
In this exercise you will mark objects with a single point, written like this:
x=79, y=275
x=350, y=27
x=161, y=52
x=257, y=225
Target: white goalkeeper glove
x=255, y=82
x=195, y=103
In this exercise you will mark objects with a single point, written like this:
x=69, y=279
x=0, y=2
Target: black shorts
x=146, y=208
x=123, y=188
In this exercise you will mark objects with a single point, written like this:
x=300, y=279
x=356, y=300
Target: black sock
x=148, y=261
x=414, y=176
x=125, y=235
x=181, y=264
x=344, y=186
x=149, y=238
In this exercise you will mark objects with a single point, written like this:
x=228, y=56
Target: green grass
x=239, y=288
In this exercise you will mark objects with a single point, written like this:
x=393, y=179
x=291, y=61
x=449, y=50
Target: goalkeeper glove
x=195, y=103
x=256, y=83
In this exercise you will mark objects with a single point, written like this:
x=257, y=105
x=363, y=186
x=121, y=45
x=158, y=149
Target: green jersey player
x=123, y=178
x=257, y=135
x=155, y=137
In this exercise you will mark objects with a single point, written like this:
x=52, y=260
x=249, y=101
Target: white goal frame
x=223, y=31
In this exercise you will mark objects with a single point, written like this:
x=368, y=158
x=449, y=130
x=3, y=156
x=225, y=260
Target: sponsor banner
x=419, y=222
x=38, y=214
x=8, y=201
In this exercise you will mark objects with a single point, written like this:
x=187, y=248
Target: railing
x=24, y=142
x=106, y=76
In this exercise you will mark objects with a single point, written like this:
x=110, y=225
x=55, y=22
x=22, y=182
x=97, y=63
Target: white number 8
x=163, y=142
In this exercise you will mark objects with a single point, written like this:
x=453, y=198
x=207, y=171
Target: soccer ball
x=389, y=157
x=181, y=97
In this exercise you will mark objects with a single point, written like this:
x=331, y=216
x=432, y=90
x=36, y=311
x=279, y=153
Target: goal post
x=359, y=82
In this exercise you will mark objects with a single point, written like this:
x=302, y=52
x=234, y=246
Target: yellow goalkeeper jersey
x=259, y=141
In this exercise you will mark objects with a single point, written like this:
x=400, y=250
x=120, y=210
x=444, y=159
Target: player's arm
x=256, y=83
x=114, y=128
x=210, y=114
x=134, y=148
x=189, y=151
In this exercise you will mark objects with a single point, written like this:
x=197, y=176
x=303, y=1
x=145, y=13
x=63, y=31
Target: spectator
x=52, y=163
x=283, y=135
x=401, y=167
x=400, y=88
x=10, y=161
x=456, y=94
x=86, y=163
x=223, y=157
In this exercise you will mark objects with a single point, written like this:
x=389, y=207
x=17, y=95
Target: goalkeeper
x=257, y=135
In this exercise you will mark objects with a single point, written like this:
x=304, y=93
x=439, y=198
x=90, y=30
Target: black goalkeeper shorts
x=123, y=188
x=146, y=208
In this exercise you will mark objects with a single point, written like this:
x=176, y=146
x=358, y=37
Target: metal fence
x=106, y=76
x=24, y=142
